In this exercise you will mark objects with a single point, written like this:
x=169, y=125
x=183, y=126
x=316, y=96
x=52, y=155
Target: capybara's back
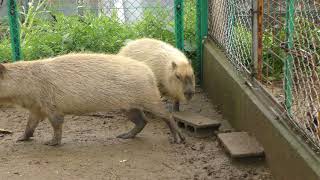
x=83, y=83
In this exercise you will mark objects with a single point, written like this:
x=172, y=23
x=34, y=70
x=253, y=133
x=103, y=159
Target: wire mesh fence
x=230, y=25
x=53, y=27
x=144, y=18
x=290, y=54
x=4, y=25
x=292, y=49
x=4, y=29
x=127, y=11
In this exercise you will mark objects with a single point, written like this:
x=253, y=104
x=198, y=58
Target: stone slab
x=195, y=120
x=241, y=144
x=196, y=125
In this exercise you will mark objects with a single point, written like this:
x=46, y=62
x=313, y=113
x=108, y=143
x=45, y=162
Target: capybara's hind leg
x=33, y=121
x=139, y=119
x=56, y=122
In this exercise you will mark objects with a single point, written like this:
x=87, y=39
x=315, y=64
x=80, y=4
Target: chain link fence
x=127, y=11
x=290, y=54
x=230, y=26
x=292, y=49
x=54, y=27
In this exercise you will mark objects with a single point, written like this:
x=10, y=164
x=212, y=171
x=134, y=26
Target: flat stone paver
x=241, y=144
x=195, y=124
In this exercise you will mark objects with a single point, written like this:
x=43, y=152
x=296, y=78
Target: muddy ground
x=90, y=150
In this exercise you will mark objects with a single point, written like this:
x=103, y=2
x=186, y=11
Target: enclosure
x=273, y=46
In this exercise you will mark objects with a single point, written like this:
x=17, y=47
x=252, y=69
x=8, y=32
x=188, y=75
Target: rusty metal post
x=257, y=36
x=260, y=38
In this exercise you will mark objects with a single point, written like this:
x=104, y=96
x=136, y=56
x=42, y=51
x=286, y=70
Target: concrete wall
x=252, y=110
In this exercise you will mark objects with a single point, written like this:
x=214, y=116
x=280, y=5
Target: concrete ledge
x=247, y=108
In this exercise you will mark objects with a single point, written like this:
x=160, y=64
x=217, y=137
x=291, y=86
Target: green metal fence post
x=202, y=30
x=179, y=30
x=14, y=30
x=289, y=60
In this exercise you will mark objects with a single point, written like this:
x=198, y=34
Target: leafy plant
x=157, y=24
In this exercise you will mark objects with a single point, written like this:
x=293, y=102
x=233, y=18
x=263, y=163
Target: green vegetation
x=190, y=33
x=46, y=34
x=306, y=37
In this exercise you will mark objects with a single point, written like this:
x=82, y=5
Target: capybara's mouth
x=188, y=96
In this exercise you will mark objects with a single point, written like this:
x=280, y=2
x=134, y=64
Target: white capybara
x=83, y=83
x=173, y=71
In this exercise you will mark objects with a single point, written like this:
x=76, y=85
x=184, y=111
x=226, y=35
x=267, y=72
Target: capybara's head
x=183, y=80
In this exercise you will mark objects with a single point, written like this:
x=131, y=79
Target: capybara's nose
x=188, y=95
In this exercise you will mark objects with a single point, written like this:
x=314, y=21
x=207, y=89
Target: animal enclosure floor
x=90, y=150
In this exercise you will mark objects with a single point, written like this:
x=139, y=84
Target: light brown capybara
x=83, y=83
x=173, y=71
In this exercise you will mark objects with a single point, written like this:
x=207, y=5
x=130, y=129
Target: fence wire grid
x=54, y=27
x=292, y=40
x=290, y=54
x=127, y=11
x=230, y=25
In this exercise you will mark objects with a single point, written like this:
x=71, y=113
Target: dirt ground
x=90, y=150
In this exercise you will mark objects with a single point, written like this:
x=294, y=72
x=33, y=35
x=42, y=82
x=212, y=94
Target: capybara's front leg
x=56, y=122
x=33, y=121
x=176, y=105
x=175, y=131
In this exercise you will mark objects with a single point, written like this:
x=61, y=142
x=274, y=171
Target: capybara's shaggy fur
x=83, y=83
x=173, y=71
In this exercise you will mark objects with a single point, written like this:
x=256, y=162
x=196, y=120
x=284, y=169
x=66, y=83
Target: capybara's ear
x=2, y=70
x=174, y=65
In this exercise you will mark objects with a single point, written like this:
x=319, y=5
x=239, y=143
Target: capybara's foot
x=126, y=136
x=176, y=106
x=23, y=138
x=53, y=142
x=178, y=138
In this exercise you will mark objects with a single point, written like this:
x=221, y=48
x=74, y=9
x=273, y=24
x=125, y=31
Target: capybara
x=83, y=83
x=173, y=71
